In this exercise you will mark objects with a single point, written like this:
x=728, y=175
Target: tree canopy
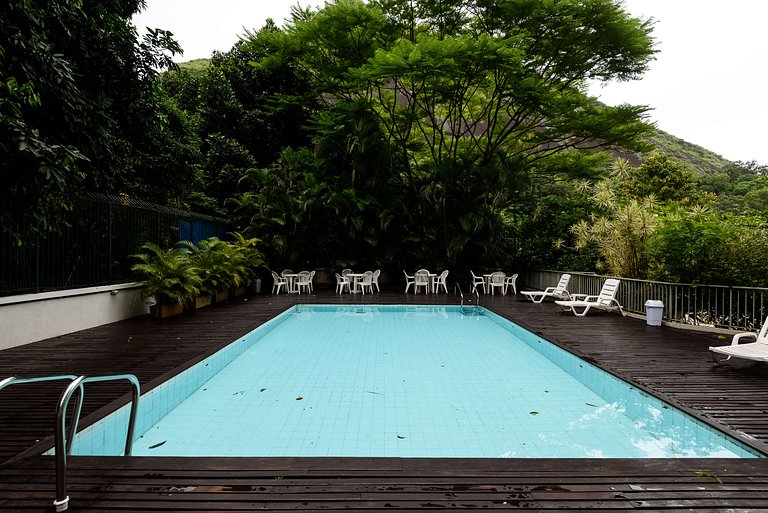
x=442, y=113
x=80, y=107
x=388, y=133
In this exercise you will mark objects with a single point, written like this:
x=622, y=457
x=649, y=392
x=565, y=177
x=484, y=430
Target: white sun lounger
x=757, y=350
x=559, y=292
x=606, y=300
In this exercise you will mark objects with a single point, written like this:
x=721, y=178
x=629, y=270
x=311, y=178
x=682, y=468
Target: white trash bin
x=654, y=310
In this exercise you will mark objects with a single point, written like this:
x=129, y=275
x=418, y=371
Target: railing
x=465, y=308
x=62, y=443
x=457, y=288
x=717, y=306
x=93, y=242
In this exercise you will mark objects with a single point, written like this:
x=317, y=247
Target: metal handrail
x=62, y=443
x=13, y=380
x=458, y=287
x=477, y=297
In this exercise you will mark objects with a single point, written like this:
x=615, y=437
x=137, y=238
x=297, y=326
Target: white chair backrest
x=762, y=337
x=422, y=271
x=345, y=272
x=275, y=276
x=498, y=277
x=608, y=292
x=422, y=278
x=340, y=278
x=562, y=285
x=443, y=275
x=376, y=275
x=286, y=271
x=367, y=277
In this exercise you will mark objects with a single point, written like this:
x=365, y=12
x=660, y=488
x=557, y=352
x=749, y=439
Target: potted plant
x=244, y=259
x=212, y=260
x=169, y=276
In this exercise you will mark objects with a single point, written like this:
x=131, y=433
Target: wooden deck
x=670, y=363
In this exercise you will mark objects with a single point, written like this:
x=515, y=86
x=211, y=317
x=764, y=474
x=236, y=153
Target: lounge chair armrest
x=737, y=337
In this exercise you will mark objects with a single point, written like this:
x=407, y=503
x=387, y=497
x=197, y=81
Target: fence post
x=109, y=244
x=37, y=262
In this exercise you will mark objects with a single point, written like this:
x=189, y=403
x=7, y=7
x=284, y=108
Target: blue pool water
x=406, y=382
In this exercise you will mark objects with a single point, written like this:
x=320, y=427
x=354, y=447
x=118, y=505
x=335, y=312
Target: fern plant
x=168, y=275
x=213, y=263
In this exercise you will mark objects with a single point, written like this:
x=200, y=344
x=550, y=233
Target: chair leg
x=582, y=314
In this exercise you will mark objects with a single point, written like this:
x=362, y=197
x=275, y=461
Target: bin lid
x=655, y=302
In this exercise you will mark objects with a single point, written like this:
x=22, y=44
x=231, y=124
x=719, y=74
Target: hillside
x=196, y=66
x=701, y=160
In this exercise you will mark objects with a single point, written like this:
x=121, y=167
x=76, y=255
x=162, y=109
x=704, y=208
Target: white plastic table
x=290, y=284
x=353, y=279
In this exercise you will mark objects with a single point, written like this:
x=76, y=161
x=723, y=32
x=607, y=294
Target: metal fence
x=94, y=242
x=717, y=306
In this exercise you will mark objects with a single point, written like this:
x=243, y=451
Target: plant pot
x=222, y=295
x=203, y=301
x=163, y=311
x=239, y=291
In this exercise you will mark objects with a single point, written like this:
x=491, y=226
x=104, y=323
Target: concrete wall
x=33, y=317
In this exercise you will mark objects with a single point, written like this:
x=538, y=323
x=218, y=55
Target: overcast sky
x=707, y=85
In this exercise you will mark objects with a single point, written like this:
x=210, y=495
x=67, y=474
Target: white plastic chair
x=421, y=279
x=606, y=300
x=560, y=291
x=302, y=282
x=342, y=282
x=442, y=282
x=366, y=282
x=286, y=271
x=409, y=280
x=511, y=281
x=477, y=280
x=497, y=281
x=278, y=282
x=757, y=350
x=375, y=279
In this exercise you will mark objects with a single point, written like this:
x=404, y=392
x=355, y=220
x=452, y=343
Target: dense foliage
x=387, y=133
x=658, y=221
x=80, y=108
x=393, y=134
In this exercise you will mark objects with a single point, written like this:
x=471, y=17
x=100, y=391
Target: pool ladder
x=63, y=443
x=468, y=309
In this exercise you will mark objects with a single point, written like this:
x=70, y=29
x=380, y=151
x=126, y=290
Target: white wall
x=33, y=317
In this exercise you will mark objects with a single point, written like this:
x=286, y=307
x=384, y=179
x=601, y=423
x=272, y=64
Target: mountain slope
x=701, y=160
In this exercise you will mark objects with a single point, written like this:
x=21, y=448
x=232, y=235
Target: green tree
x=470, y=97
x=78, y=104
x=687, y=247
x=663, y=179
x=622, y=238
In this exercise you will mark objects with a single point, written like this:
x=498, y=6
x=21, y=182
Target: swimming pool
x=414, y=381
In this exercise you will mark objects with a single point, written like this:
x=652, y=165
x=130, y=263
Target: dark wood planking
x=671, y=363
